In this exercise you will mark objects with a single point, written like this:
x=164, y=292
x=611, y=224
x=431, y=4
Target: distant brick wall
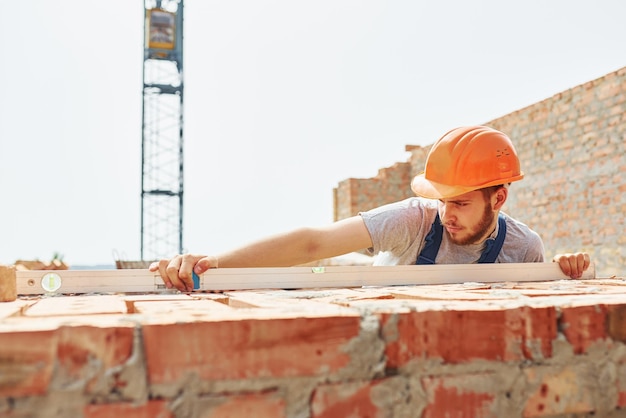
x=389, y=185
x=572, y=148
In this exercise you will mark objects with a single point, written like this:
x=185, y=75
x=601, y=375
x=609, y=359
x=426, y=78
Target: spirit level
x=34, y=282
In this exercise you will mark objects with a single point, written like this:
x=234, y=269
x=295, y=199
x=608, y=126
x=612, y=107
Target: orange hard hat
x=467, y=159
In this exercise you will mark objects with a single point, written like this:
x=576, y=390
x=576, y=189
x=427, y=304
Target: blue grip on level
x=196, y=280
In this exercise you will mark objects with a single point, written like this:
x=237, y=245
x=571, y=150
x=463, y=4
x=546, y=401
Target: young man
x=455, y=219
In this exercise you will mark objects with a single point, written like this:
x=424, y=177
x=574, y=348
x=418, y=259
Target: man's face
x=468, y=218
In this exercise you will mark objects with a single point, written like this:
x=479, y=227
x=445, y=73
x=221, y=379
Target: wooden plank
x=33, y=282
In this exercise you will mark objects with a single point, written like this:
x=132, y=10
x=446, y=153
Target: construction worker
x=456, y=218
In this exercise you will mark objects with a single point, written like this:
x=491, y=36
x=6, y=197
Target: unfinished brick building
x=506, y=349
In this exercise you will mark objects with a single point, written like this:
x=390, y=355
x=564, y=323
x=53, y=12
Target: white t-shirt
x=398, y=231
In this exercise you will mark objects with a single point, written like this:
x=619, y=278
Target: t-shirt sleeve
x=522, y=245
x=536, y=251
x=397, y=227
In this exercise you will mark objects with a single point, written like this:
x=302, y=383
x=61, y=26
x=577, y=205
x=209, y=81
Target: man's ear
x=499, y=198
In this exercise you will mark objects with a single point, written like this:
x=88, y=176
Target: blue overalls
x=433, y=242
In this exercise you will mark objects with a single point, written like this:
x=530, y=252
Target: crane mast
x=162, y=131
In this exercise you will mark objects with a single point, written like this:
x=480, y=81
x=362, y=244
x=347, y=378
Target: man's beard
x=481, y=230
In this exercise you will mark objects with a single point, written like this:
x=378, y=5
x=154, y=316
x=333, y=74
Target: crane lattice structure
x=162, y=131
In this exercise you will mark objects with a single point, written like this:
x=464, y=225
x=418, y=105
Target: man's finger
x=162, y=267
x=186, y=268
x=172, y=271
x=565, y=265
x=205, y=264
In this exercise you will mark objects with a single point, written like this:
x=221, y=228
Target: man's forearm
x=283, y=250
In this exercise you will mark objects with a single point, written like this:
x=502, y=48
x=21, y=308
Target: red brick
x=295, y=301
x=257, y=405
x=463, y=335
x=30, y=350
x=81, y=345
x=583, y=325
x=26, y=362
x=16, y=414
x=177, y=306
x=11, y=308
x=310, y=298
x=453, y=396
x=227, y=348
x=621, y=384
x=616, y=322
x=539, y=329
x=345, y=400
x=78, y=305
x=152, y=409
x=559, y=391
x=132, y=299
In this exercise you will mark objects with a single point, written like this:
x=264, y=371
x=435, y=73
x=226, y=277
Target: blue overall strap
x=493, y=246
x=433, y=242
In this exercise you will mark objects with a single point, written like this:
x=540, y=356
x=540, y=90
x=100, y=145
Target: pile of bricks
x=54, y=264
x=466, y=350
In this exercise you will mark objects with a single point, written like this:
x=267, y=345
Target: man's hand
x=573, y=264
x=177, y=272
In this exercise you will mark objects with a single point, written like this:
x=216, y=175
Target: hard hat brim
x=433, y=190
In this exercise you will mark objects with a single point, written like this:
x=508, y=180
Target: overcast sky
x=284, y=99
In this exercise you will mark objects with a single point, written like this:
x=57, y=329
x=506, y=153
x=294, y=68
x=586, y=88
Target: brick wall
x=572, y=148
x=467, y=350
